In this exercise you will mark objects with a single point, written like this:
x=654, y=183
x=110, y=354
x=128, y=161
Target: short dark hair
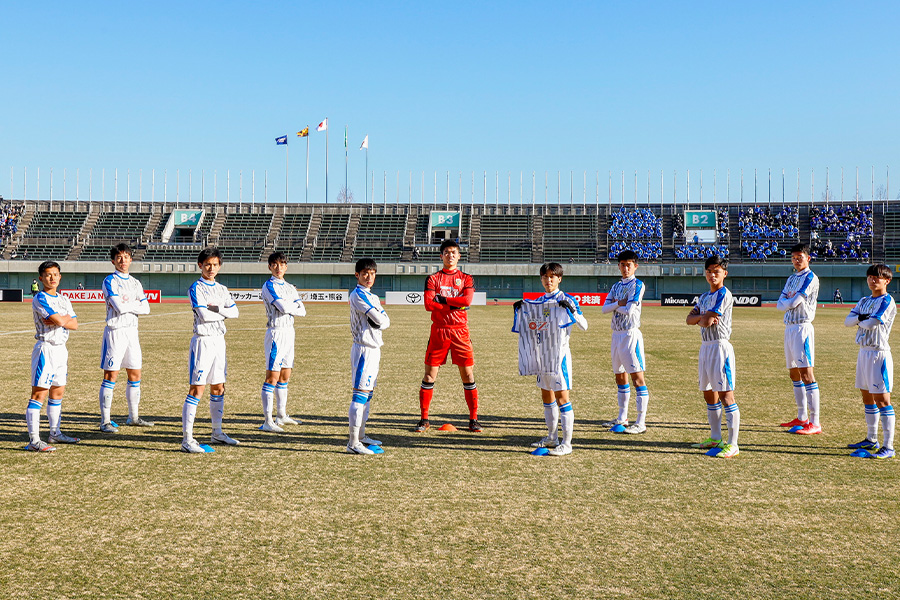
x=801, y=247
x=628, y=255
x=364, y=264
x=880, y=271
x=119, y=249
x=207, y=253
x=449, y=244
x=277, y=257
x=716, y=260
x=551, y=268
x=48, y=264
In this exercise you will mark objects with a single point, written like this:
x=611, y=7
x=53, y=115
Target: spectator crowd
x=853, y=220
x=9, y=219
x=644, y=250
x=639, y=223
x=760, y=222
x=699, y=253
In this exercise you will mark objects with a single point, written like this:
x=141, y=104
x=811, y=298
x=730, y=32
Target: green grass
x=444, y=515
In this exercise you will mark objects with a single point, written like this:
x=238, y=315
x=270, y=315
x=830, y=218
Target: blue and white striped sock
x=54, y=414
x=714, y=416
x=872, y=422
x=567, y=416
x=188, y=413
x=267, y=395
x=358, y=402
x=281, y=394
x=812, y=401
x=33, y=420
x=217, y=411
x=800, y=399
x=133, y=399
x=643, y=399
x=551, y=418
x=733, y=420
x=106, y=398
x=887, y=425
x=623, y=396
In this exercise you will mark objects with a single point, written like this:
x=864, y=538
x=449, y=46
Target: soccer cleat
x=728, y=451
x=613, y=423
x=794, y=423
x=109, y=428
x=367, y=441
x=809, y=429
x=271, y=427
x=423, y=426
x=636, y=428
x=139, y=422
x=61, y=438
x=39, y=446
x=708, y=443
x=221, y=437
x=546, y=442
x=358, y=448
x=191, y=446
x=866, y=444
x=475, y=426
x=286, y=420
x=884, y=452
x=560, y=450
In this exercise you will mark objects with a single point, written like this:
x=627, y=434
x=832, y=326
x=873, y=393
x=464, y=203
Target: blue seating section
x=698, y=253
x=760, y=222
x=639, y=223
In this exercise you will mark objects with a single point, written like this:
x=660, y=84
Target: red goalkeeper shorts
x=453, y=341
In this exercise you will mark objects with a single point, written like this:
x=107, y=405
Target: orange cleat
x=794, y=423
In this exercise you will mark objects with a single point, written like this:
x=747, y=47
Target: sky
x=575, y=93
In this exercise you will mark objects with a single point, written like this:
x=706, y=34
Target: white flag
x=323, y=125
x=365, y=144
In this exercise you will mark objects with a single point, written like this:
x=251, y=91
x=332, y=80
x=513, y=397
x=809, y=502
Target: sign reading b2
x=699, y=219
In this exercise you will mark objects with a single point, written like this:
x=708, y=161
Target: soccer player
x=798, y=301
x=125, y=300
x=282, y=305
x=367, y=321
x=716, y=365
x=624, y=301
x=54, y=318
x=873, y=316
x=544, y=327
x=212, y=304
x=448, y=295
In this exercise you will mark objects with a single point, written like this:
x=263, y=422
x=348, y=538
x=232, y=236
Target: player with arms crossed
x=874, y=316
x=544, y=326
x=448, y=294
x=54, y=317
x=212, y=304
x=716, y=364
x=121, y=347
x=282, y=305
x=367, y=321
x=798, y=301
x=624, y=301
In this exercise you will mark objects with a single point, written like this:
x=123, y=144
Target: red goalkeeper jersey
x=459, y=289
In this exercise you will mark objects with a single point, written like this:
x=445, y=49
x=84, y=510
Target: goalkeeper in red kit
x=448, y=294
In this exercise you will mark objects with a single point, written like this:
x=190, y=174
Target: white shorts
x=716, y=366
x=364, y=363
x=120, y=348
x=627, y=351
x=207, y=361
x=557, y=381
x=875, y=371
x=799, y=345
x=279, y=348
x=49, y=365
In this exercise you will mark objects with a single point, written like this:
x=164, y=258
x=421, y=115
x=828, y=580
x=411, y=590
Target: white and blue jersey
x=626, y=317
x=720, y=302
x=544, y=329
x=204, y=293
x=125, y=300
x=881, y=309
x=43, y=305
x=282, y=303
x=803, y=283
x=365, y=305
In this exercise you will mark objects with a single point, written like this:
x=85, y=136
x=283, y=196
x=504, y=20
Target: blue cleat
x=884, y=452
x=713, y=451
x=866, y=444
x=795, y=428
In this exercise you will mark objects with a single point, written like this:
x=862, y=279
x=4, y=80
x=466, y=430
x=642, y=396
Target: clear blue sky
x=455, y=86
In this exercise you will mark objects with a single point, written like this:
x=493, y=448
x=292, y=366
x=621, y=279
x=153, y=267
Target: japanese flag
x=323, y=125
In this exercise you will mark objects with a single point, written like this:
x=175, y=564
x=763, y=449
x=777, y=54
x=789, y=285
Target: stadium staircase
x=475, y=237
x=315, y=224
x=668, y=240
x=152, y=225
x=409, y=236
x=734, y=233
x=217, y=225
x=274, y=231
x=85, y=233
x=12, y=245
x=878, y=250
x=537, y=239
x=350, y=238
x=805, y=224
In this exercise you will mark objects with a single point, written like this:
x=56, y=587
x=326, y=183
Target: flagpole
x=307, y=164
x=367, y=172
x=287, y=156
x=326, y=159
x=346, y=165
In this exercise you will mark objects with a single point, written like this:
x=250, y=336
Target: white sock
x=567, y=416
x=106, y=398
x=33, y=420
x=714, y=416
x=551, y=417
x=887, y=425
x=188, y=413
x=643, y=399
x=281, y=391
x=133, y=399
x=812, y=400
x=800, y=399
x=354, y=435
x=268, y=394
x=54, y=414
x=216, y=411
x=365, y=419
x=623, y=396
x=733, y=420
x=872, y=422
x=357, y=409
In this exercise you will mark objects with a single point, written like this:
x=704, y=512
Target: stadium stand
x=242, y=236
x=505, y=238
x=699, y=253
x=761, y=222
x=292, y=237
x=637, y=229
x=856, y=220
x=113, y=228
x=380, y=237
x=328, y=244
x=568, y=237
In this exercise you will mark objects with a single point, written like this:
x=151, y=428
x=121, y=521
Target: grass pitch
x=444, y=515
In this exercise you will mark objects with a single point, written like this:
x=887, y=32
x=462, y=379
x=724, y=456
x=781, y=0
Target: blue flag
x=281, y=141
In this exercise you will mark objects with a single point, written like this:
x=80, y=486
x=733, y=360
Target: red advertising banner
x=583, y=299
x=153, y=296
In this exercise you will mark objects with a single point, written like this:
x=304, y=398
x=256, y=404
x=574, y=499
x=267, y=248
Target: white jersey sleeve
x=365, y=305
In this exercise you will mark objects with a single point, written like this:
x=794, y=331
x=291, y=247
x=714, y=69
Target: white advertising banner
x=480, y=298
x=244, y=295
